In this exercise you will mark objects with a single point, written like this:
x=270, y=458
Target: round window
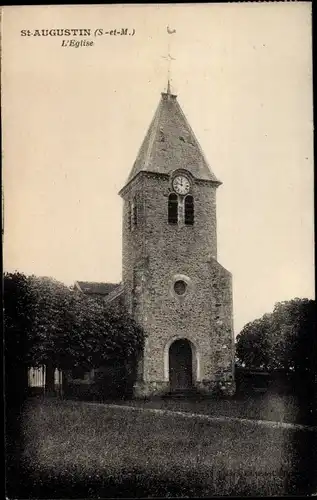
x=180, y=287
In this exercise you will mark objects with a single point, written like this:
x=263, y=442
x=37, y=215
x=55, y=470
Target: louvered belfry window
x=189, y=210
x=173, y=209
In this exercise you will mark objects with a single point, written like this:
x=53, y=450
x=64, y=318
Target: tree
x=285, y=339
x=50, y=302
x=252, y=343
x=17, y=321
x=294, y=328
x=60, y=328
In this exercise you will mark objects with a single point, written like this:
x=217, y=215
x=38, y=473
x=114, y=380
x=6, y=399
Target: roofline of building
x=77, y=286
x=160, y=174
x=115, y=293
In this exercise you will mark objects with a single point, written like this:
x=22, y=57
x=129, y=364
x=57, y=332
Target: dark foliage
x=17, y=320
x=283, y=340
x=48, y=323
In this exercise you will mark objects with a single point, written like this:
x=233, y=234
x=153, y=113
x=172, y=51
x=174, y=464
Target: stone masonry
x=156, y=254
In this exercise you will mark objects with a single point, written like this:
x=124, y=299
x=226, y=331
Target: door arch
x=180, y=357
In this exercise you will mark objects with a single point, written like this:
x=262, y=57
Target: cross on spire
x=169, y=58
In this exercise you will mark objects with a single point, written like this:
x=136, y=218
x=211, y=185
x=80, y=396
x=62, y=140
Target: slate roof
x=95, y=288
x=170, y=143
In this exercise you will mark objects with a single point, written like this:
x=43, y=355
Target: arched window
x=133, y=214
x=172, y=209
x=130, y=215
x=189, y=210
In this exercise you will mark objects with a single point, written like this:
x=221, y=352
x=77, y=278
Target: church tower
x=174, y=286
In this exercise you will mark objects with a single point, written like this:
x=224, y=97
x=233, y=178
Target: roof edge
x=148, y=172
x=197, y=143
x=125, y=188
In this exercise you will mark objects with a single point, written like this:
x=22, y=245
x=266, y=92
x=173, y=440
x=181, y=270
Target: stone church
x=172, y=282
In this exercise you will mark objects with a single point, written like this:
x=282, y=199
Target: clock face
x=181, y=184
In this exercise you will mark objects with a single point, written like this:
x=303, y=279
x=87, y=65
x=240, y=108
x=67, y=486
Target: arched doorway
x=180, y=365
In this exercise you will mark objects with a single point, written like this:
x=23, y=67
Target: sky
x=74, y=119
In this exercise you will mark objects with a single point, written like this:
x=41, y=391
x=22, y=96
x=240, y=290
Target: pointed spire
x=170, y=143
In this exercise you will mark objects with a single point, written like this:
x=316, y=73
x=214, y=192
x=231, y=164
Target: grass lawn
x=268, y=406
x=76, y=450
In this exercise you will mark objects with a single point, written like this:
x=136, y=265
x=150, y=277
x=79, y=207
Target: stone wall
x=155, y=255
